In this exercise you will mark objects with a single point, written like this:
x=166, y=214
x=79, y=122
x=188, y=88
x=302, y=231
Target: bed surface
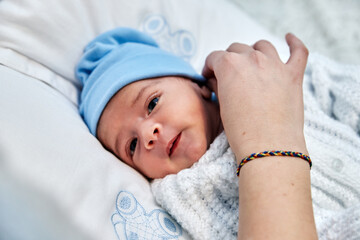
x=328, y=27
x=53, y=172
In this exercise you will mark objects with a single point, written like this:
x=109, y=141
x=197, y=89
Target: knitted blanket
x=204, y=198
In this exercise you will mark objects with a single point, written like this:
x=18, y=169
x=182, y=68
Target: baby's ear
x=205, y=92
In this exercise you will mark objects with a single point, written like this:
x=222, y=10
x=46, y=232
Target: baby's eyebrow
x=139, y=95
x=141, y=92
x=119, y=148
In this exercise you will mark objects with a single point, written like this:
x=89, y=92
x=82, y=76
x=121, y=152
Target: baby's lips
x=173, y=144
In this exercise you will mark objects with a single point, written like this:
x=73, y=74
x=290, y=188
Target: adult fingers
x=215, y=57
x=212, y=85
x=239, y=48
x=266, y=48
x=210, y=63
x=298, y=53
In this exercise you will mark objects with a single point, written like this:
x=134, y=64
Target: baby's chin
x=196, y=156
x=176, y=169
x=186, y=161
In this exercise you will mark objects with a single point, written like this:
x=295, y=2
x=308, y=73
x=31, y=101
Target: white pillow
x=54, y=33
x=44, y=142
x=45, y=145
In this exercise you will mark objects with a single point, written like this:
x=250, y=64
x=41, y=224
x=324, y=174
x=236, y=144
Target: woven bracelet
x=273, y=153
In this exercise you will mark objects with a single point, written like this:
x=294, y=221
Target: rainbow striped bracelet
x=273, y=153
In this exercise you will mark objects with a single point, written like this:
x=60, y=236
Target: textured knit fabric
x=204, y=198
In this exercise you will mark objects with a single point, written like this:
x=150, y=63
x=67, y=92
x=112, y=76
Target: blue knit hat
x=117, y=58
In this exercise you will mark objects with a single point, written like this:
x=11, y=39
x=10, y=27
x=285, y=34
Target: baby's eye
x=152, y=104
x=133, y=146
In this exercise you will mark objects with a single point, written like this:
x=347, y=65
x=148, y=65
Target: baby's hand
x=260, y=97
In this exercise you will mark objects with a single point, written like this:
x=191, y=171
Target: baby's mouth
x=173, y=144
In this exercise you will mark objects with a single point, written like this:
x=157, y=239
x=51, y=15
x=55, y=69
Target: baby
x=148, y=107
x=154, y=112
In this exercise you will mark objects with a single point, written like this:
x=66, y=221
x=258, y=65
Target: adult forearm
x=275, y=200
x=261, y=106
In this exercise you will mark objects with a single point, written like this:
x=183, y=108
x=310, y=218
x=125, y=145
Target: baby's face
x=159, y=126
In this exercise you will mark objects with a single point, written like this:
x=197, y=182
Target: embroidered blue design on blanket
x=131, y=221
x=181, y=43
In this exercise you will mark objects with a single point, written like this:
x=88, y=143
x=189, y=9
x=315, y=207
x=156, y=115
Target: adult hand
x=260, y=97
x=261, y=106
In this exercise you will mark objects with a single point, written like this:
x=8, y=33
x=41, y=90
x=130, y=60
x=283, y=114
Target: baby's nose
x=151, y=135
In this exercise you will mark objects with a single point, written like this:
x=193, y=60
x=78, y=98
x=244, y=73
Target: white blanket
x=328, y=27
x=204, y=198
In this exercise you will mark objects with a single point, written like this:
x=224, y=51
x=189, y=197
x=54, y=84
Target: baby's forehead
x=143, y=84
x=128, y=99
x=139, y=86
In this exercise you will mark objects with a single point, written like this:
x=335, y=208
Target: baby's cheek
x=197, y=151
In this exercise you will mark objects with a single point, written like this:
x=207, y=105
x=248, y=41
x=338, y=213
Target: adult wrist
x=249, y=147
